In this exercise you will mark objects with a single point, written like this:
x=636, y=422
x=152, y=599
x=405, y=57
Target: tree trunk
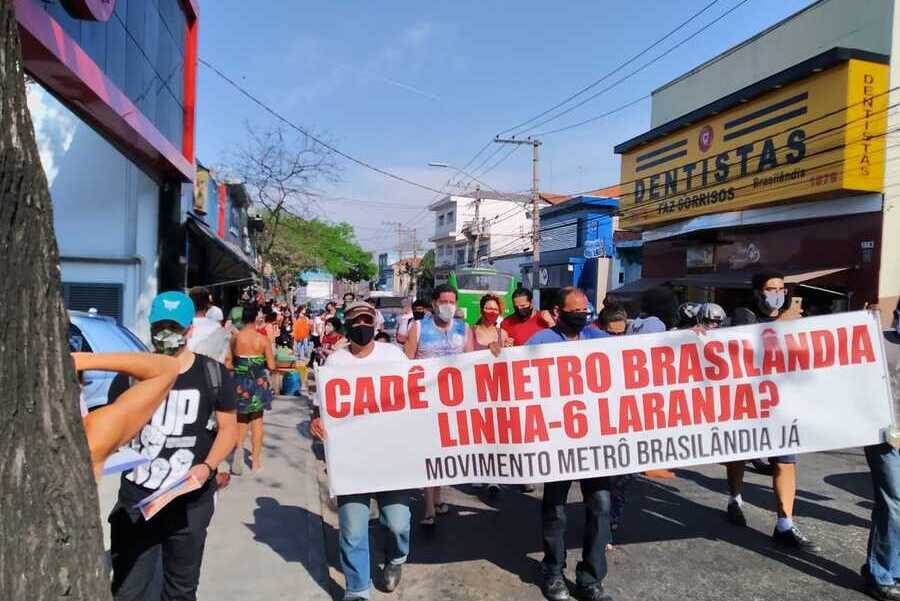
x=50, y=537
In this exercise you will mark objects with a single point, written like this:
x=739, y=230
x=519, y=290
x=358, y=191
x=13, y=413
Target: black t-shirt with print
x=181, y=432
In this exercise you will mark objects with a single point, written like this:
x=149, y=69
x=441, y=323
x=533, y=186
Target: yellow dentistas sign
x=815, y=138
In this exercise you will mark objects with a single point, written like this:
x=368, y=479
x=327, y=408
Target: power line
x=636, y=71
x=306, y=133
x=613, y=72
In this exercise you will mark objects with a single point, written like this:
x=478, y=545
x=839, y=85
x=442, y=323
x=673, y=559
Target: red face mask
x=490, y=316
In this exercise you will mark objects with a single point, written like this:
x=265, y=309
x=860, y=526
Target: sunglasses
x=365, y=320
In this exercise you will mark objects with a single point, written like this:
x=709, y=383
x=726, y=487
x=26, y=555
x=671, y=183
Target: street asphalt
x=274, y=535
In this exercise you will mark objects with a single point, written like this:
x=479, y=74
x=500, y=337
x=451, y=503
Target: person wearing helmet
x=688, y=315
x=711, y=316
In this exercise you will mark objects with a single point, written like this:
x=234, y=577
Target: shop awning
x=225, y=262
x=743, y=279
x=639, y=285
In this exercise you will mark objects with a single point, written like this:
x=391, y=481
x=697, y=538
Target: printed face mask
x=446, y=312
x=774, y=300
x=168, y=342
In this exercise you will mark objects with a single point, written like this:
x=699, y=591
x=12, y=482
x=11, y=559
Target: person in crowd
x=570, y=312
x=770, y=303
x=659, y=312
x=215, y=313
x=270, y=324
x=881, y=571
x=439, y=335
x=115, y=424
x=251, y=359
x=403, y=321
x=353, y=510
x=419, y=311
x=332, y=340
x=203, y=438
x=488, y=335
x=302, y=331
x=208, y=337
x=687, y=316
x=613, y=319
x=525, y=321
x=711, y=316
x=349, y=298
x=487, y=331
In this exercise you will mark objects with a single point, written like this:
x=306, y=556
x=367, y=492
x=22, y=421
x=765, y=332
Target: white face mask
x=446, y=312
x=775, y=300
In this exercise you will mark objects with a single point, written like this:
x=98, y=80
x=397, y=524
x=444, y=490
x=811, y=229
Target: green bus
x=472, y=283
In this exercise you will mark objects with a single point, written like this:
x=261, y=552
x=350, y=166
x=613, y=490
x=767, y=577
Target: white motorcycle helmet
x=712, y=315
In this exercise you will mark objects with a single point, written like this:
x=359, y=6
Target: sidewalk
x=266, y=537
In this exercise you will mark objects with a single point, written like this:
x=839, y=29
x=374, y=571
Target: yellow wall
x=819, y=136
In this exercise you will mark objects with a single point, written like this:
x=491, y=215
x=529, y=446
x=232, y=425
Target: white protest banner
x=610, y=406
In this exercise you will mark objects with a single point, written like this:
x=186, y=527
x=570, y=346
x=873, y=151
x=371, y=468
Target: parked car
x=90, y=332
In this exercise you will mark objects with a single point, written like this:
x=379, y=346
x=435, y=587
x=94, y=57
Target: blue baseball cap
x=172, y=306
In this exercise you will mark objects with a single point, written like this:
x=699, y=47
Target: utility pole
x=477, y=225
x=535, y=206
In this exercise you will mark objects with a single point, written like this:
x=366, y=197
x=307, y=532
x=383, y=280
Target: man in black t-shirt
x=771, y=303
x=193, y=430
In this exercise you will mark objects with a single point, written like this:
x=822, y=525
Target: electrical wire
x=309, y=135
x=613, y=72
x=636, y=71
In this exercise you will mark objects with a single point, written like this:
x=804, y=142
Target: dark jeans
x=177, y=533
x=596, y=492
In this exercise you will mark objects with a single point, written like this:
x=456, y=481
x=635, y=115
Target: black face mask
x=525, y=312
x=574, y=320
x=361, y=335
x=418, y=314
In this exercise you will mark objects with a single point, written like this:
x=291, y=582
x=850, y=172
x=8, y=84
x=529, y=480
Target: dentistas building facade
x=769, y=156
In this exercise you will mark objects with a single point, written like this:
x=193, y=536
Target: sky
x=400, y=84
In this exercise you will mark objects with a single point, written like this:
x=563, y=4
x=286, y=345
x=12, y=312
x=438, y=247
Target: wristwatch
x=212, y=471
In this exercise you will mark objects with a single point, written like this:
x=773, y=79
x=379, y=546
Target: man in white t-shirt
x=208, y=337
x=353, y=510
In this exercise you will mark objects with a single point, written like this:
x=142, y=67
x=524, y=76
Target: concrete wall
x=104, y=208
x=861, y=24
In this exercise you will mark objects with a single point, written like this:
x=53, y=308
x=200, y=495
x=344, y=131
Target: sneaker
x=879, y=591
x=793, y=539
x=554, y=588
x=736, y=514
x=593, y=592
x=391, y=575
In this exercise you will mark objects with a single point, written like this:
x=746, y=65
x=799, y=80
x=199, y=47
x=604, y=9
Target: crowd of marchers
x=189, y=407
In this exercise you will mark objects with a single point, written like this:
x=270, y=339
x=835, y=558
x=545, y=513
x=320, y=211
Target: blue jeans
x=353, y=515
x=883, y=560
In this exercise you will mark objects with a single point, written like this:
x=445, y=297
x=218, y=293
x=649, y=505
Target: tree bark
x=51, y=543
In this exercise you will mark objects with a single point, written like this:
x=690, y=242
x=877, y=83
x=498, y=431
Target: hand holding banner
x=605, y=407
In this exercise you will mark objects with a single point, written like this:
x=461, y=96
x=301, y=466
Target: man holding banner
x=353, y=509
x=771, y=303
x=573, y=323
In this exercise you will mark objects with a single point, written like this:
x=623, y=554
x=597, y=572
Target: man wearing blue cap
x=193, y=430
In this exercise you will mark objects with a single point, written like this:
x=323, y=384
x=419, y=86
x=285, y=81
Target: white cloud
x=54, y=128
